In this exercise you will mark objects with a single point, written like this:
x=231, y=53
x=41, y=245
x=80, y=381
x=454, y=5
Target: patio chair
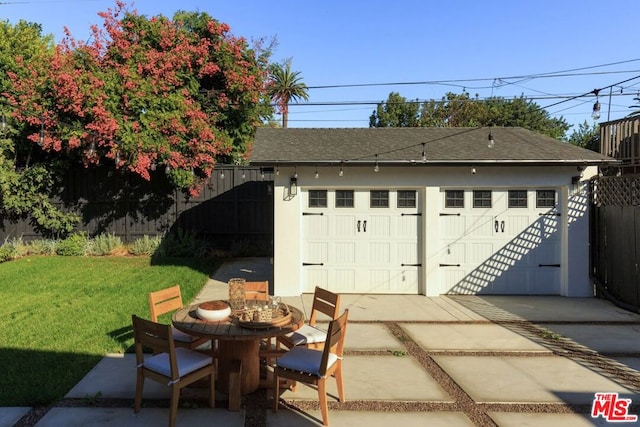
x=313, y=367
x=325, y=302
x=175, y=367
x=165, y=301
x=256, y=291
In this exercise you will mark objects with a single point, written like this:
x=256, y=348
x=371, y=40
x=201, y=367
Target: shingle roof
x=404, y=145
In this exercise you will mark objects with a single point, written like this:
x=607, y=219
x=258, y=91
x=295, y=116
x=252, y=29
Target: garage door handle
x=550, y=214
x=410, y=265
x=449, y=214
x=312, y=213
x=502, y=226
x=412, y=214
x=495, y=225
x=449, y=265
x=358, y=225
x=364, y=226
x=548, y=265
x=305, y=264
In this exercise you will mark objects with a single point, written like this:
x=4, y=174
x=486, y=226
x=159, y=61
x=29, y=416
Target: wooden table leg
x=247, y=353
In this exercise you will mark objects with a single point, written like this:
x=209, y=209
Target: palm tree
x=285, y=87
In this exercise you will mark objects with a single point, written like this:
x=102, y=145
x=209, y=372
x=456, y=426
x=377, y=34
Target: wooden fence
x=615, y=239
x=234, y=209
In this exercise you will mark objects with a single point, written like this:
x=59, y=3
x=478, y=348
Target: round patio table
x=235, y=342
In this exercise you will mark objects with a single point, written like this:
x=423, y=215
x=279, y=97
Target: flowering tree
x=147, y=93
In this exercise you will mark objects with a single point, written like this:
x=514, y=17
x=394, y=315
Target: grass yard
x=60, y=315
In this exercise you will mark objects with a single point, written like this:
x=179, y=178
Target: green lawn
x=60, y=315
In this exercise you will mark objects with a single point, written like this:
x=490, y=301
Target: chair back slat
x=164, y=301
x=256, y=291
x=335, y=340
x=325, y=302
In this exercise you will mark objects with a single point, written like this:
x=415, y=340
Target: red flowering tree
x=178, y=94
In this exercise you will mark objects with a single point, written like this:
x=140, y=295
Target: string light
x=491, y=142
x=317, y=175
x=42, y=134
x=376, y=168
x=295, y=172
x=341, y=173
x=596, y=107
x=424, y=153
x=244, y=174
x=221, y=174
x=3, y=123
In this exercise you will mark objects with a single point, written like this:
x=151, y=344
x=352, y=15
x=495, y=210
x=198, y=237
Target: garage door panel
x=344, y=253
x=407, y=253
x=404, y=282
x=316, y=226
x=452, y=226
x=513, y=224
x=455, y=253
x=407, y=227
x=344, y=280
x=379, y=253
x=480, y=252
x=377, y=226
x=480, y=226
x=345, y=226
x=378, y=281
x=316, y=277
x=316, y=252
x=545, y=280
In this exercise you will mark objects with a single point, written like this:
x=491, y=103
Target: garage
x=428, y=211
x=360, y=241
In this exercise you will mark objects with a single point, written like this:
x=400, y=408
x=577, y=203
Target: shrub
x=145, y=245
x=7, y=252
x=182, y=243
x=104, y=244
x=43, y=247
x=74, y=245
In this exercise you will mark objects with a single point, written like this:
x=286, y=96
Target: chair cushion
x=302, y=359
x=187, y=360
x=178, y=335
x=307, y=335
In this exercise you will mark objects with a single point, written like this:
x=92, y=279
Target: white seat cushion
x=187, y=360
x=178, y=335
x=302, y=359
x=307, y=335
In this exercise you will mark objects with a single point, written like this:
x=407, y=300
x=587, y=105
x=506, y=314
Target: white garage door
x=360, y=241
x=499, y=241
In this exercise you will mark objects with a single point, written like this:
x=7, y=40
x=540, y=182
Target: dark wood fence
x=615, y=239
x=234, y=210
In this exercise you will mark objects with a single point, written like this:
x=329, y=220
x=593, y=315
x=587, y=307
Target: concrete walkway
x=415, y=361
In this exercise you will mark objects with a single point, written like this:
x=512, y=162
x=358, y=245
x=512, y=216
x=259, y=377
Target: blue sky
x=493, y=47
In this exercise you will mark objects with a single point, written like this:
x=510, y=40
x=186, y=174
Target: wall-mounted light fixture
x=293, y=186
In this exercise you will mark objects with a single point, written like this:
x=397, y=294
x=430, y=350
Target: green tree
x=28, y=181
x=286, y=86
x=396, y=112
x=461, y=110
x=178, y=94
x=586, y=136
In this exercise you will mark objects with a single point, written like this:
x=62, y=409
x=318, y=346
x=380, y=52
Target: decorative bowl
x=213, y=311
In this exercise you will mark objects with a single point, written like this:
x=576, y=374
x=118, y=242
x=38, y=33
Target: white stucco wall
x=427, y=180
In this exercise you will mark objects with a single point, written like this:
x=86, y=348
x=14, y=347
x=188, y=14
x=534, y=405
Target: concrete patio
x=412, y=360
